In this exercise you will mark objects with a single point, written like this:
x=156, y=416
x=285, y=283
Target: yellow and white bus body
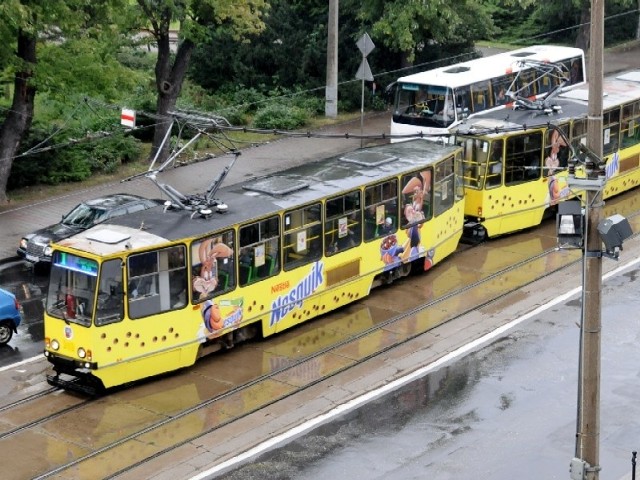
x=149, y=292
x=430, y=103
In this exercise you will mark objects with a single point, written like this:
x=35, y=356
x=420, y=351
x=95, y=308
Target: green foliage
x=280, y=117
x=73, y=163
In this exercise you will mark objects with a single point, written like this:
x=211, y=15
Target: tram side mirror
x=570, y=224
x=614, y=230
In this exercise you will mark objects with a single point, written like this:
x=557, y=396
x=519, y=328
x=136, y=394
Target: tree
x=24, y=25
x=194, y=20
x=408, y=27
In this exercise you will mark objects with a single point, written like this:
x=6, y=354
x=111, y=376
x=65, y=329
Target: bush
x=280, y=117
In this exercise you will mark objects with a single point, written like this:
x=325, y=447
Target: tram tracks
x=120, y=455
x=193, y=422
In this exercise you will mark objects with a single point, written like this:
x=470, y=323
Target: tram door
x=525, y=195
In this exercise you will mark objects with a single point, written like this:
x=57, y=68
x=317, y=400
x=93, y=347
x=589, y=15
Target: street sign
x=128, y=118
x=365, y=44
x=364, y=72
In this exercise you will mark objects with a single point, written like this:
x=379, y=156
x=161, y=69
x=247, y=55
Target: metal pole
x=590, y=425
x=331, y=90
x=362, y=112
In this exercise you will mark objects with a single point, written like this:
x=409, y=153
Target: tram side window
x=443, y=192
x=302, y=236
x=259, y=255
x=156, y=281
x=110, y=307
x=495, y=164
x=523, y=155
x=611, y=130
x=579, y=131
x=630, y=127
x=212, y=266
x=416, y=197
x=343, y=223
x=380, y=209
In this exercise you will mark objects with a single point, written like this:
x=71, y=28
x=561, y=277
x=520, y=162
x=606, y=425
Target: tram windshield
x=424, y=105
x=74, y=285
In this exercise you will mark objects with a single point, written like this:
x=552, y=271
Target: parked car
x=10, y=316
x=35, y=247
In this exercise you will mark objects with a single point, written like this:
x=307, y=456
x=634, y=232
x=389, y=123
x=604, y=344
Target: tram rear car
x=516, y=160
x=150, y=292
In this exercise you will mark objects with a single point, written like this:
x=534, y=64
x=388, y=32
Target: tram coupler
x=473, y=233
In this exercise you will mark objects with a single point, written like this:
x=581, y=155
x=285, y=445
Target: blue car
x=10, y=316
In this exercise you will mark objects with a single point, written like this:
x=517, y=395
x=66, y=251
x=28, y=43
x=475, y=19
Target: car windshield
x=84, y=216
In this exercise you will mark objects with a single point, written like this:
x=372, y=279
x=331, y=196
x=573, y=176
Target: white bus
x=431, y=103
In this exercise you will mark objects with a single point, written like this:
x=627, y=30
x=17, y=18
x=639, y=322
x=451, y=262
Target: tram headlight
x=82, y=353
x=55, y=345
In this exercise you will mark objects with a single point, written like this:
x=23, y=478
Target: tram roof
x=250, y=200
x=618, y=89
x=484, y=68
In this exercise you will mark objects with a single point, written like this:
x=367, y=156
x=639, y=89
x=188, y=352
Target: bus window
x=212, y=266
x=302, y=236
x=381, y=209
x=527, y=84
x=481, y=96
x=500, y=86
x=576, y=75
x=463, y=101
x=259, y=255
x=110, y=308
x=343, y=223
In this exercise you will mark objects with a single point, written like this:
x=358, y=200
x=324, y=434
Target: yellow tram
x=515, y=159
x=150, y=292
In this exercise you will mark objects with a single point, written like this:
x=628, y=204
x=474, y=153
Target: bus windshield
x=72, y=288
x=424, y=105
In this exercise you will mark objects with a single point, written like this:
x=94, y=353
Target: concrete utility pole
x=587, y=447
x=331, y=89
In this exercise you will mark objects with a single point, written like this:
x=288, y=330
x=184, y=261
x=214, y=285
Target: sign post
x=365, y=45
